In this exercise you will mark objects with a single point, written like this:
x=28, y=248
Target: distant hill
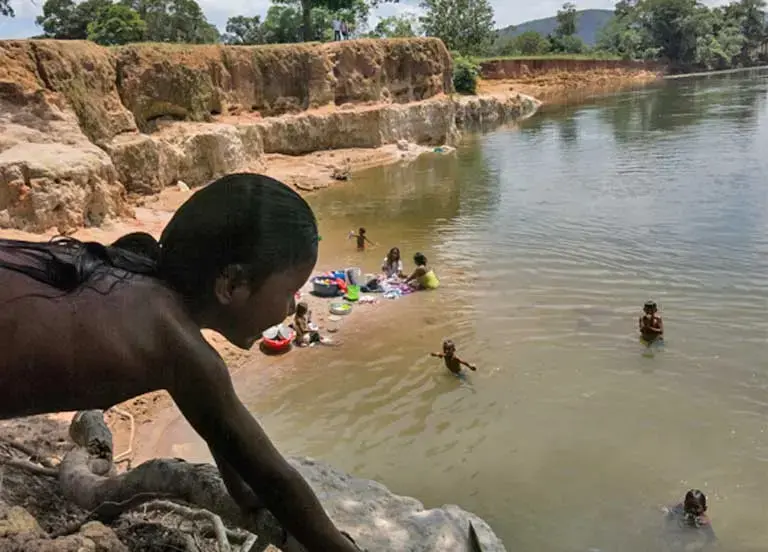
x=590, y=23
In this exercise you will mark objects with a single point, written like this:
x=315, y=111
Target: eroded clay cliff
x=81, y=125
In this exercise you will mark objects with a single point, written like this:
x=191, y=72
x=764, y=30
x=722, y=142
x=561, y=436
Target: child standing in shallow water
x=452, y=362
x=361, y=239
x=651, y=324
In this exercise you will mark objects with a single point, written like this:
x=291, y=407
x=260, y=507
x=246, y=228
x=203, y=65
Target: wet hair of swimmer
x=650, y=306
x=448, y=346
x=302, y=309
x=361, y=231
x=393, y=255
x=244, y=219
x=695, y=502
x=420, y=259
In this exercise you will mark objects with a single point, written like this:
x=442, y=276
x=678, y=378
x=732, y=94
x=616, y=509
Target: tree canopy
x=466, y=26
x=687, y=33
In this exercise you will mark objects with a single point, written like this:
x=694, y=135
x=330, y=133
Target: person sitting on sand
x=393, y=264
x=690, y=515
x=302, y=325
x=423, y=277
x=651, y=324
x=452, y=362
x=88, y=326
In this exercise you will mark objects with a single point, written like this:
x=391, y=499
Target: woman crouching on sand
x=87, y=326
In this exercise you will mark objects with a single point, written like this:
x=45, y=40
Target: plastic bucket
x=353, y=292
x=353, y=276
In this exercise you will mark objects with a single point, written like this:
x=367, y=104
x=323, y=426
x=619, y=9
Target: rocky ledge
x=82, y=126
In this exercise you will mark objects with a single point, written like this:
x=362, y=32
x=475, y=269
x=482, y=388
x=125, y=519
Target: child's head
x=237, y=251
x=695, y=503
x=361, y=231
x=302, y=309
x=420, y=259
x=448, y=347
x=394, y=255
x=650, y=307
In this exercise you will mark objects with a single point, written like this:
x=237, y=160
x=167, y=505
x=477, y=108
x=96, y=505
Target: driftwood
x=87, y=478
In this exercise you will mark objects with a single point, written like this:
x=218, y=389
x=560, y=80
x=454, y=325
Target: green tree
x=282, y=25
x=64, y=19
x=6, y=9
x=529, y=43
x=315, y=16
x=396, y=26
x=465, y=26
x=117, y=25
x=567, y=20
x=174, y=21
x=564, y=38
x=244, y=30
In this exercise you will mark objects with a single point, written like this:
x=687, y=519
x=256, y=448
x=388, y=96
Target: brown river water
x=548, y=238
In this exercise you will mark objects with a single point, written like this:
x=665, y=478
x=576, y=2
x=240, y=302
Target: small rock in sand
x=403, y=145
x=182, y=186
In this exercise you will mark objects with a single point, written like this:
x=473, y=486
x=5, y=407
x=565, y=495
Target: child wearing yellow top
x=423, y=277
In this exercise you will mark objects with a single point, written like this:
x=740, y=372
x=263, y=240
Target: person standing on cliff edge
x=87, y=326
x=336, y=29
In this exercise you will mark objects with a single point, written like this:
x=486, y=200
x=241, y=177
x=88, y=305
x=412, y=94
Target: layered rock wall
x=496, y=69
x=82, y=126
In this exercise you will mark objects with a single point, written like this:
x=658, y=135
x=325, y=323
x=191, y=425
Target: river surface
x=548, y=238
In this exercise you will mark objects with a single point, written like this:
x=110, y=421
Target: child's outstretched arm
x=467, y=364
x=437, y=355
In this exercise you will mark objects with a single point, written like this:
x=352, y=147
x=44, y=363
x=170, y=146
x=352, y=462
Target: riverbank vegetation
x=687, y=35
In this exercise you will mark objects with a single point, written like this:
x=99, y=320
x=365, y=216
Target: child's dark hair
x=695, y=497
x=242, y=219
x=391, y=254
x=361, y=231
x=420, y=259
x=302, y=309
x=650, y=306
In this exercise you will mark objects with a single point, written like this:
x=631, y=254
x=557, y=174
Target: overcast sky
x=508, y=12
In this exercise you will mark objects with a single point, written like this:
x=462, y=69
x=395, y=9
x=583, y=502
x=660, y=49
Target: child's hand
x=473, y=368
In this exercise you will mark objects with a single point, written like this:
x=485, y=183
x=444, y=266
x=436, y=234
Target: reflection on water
x=548, y=239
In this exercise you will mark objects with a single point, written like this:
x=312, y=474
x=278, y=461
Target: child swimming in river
x=650, y=323
x=452, y=362
x=687, y=523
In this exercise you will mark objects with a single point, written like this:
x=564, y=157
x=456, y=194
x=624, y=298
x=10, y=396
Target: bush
x=465, y=74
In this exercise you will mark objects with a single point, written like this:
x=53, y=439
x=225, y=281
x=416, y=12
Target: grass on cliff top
x=586, y=57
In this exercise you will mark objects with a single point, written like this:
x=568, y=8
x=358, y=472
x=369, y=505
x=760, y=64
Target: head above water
x=650, y=307
x=449, y=347
x=695, y=502
x=237, y=251
x=420, y=259
x=361, y=231
x=394, y=255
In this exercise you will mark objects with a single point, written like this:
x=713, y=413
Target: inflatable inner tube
x=340, y=308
